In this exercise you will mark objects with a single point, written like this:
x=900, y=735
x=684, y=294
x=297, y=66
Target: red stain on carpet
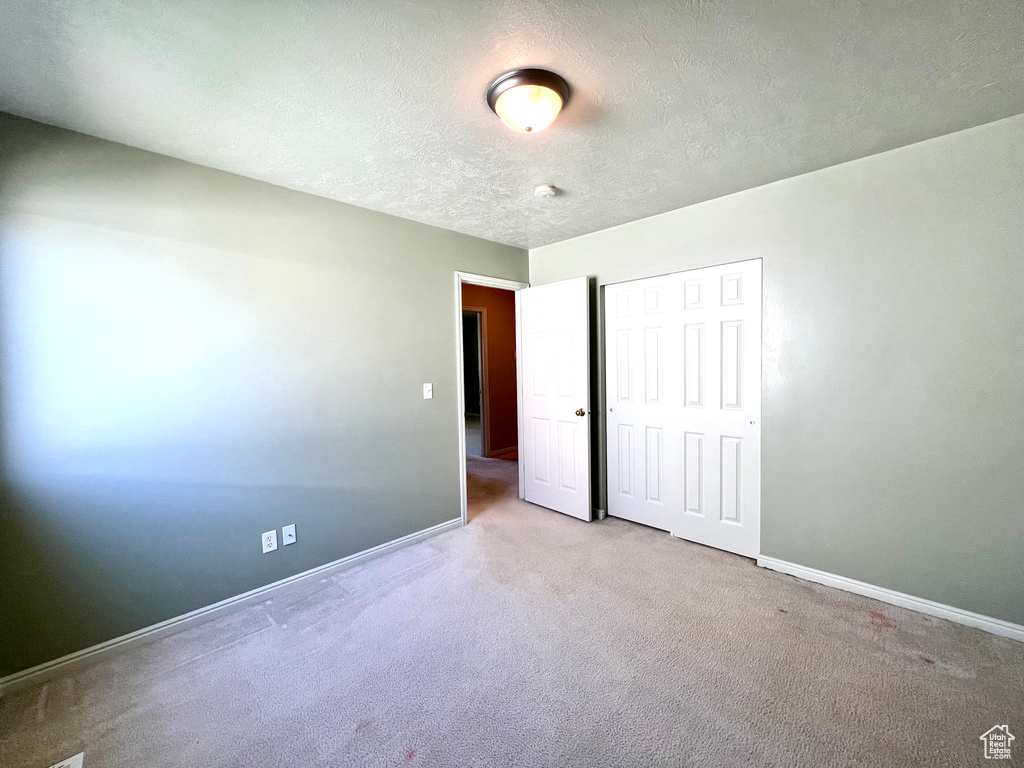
x=880, y=620
x=407, y=758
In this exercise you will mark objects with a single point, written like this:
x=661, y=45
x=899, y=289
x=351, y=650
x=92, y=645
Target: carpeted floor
x=474, y=436
x=529, y=638
x=489, y=482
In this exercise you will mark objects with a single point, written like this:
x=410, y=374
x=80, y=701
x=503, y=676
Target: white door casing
x=683, y=358
x=555, y=392
x=460, y=410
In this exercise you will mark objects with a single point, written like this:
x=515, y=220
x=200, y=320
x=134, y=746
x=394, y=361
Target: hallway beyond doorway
x=474, y=436
x=489, y=481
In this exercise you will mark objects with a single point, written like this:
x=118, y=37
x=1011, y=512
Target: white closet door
x=556, y=396
x=643, y=397
x=683, y=356
x=719, y=430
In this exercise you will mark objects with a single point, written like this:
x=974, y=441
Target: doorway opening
x=473, y=376
x=488, y=392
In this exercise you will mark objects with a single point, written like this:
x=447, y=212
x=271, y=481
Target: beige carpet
x=528, y=638
x=488, y=482
x=474, y=436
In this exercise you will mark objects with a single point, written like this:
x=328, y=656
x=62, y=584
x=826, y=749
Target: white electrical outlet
x=428, y=391
x=71, y=762
x=288, y=535
x=269, y=541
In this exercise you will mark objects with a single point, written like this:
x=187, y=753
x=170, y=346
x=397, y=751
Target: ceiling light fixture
x=528, y=100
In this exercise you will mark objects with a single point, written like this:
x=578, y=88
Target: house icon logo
x=997, y=742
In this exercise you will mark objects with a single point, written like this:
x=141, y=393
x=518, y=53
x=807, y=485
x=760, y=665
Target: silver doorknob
x=580, y=412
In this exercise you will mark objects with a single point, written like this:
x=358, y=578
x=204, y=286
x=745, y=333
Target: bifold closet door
x=719, y=430
x=642, y=390
x=683, y=355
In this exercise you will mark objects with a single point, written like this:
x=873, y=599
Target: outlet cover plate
x=71, y=762
x=269, y=541
x=288, y=535
x=428, y=391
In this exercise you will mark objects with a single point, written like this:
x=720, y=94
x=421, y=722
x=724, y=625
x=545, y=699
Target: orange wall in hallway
x=499, y=336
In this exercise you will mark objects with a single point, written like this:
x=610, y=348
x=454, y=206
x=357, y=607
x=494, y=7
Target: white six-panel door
x=683, y=357
x=642, y=383
x=556, y=396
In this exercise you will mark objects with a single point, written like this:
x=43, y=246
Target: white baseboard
x=73, y=661
x=960, y=616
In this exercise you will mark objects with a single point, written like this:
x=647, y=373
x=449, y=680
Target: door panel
x=684, y=404
x=641, y=374
x=722, y=429
x=556, y=373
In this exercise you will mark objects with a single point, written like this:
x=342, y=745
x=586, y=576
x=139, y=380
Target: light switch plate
x=269, y=541
x=71, y=762
x=288, y=535
x=428, y=391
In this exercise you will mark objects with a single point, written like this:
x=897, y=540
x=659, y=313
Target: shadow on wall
x=19, y=548
x=189, y=358
x=165, y=399
x=152, y=424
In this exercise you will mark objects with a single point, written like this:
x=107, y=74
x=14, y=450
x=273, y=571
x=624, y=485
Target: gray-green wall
x=190, y=358
x=893, y=424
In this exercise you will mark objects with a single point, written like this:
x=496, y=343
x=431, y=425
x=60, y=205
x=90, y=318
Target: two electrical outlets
x=270, y=538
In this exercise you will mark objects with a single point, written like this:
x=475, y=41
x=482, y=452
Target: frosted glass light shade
x=528, y=100
x=528, y=108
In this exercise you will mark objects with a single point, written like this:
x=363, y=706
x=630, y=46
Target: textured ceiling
x=381, y=103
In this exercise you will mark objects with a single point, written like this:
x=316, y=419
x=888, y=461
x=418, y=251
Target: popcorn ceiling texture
x=381, y=104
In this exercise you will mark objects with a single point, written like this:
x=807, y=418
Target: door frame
x=460, y=394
